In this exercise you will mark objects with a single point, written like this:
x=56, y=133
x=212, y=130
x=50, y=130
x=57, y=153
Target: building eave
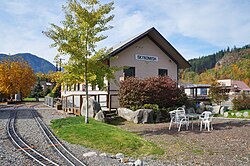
x=160, y=41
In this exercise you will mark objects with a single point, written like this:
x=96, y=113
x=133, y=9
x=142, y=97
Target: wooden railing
x=72, y=103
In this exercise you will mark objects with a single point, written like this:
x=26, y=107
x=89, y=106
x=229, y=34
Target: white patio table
x=193, y=116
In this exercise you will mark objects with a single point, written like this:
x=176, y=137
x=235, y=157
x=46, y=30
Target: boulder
x=100, y=116
x=144, y=116
x=94, y=107
x=216, y=109
x=125, y=113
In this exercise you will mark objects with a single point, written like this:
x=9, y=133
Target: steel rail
x=54, y=141
x=17, y=141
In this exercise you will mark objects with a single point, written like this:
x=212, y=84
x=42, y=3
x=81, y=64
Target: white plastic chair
x=178, y=117
x=206, y=119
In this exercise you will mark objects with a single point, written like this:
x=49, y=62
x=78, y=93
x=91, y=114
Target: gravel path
x=29, y=130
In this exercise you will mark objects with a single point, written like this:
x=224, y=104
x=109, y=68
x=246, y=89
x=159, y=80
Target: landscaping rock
x=144, y=116
x=119, y=155
x=245, y=114
x=103, y=155
x=138, y=163
x=238, y=114
x=216, y=109
x=125, y=113
x=94, y=107
x=124, y=160
x=226, y=114
x=100, y=116
x=89, y=154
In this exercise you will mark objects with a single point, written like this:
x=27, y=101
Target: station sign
x=146, y=58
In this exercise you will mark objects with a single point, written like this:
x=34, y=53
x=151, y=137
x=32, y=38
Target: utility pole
x=59, y=64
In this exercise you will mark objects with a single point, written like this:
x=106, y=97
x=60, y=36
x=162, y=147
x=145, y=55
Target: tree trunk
x=87, y=93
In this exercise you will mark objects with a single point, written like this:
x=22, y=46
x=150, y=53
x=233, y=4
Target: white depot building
x=144, y=55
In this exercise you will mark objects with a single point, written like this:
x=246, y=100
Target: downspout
x=108, y=97
x=177, y=81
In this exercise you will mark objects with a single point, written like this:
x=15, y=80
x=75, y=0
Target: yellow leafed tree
x=17, y=77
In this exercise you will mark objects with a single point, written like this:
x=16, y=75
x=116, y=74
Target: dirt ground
x=228, y=144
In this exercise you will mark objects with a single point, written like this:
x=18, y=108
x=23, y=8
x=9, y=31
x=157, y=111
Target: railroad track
x=63, y=152
x=58, y=146
x=22, y=145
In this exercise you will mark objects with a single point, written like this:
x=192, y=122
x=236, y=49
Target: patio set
x=179, y=117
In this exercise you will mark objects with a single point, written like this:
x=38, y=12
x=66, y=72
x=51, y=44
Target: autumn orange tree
x=17, y=77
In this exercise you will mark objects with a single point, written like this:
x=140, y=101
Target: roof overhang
x=160, y=41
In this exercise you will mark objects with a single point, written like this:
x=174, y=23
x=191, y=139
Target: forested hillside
x=201, y=64
x=228, y=64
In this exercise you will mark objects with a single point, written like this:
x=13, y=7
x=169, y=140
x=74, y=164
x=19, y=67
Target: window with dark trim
x=129, y=72
x=162, y=72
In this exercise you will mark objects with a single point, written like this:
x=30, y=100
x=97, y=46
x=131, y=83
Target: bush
x=154, y=107
x=162, y=91
x=242, y=102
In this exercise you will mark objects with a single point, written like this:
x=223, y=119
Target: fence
x=72, y=103
x=49, y=101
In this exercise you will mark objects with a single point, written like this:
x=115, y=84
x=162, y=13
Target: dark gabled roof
x=160, y=41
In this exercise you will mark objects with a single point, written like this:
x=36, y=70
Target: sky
x=195, y=28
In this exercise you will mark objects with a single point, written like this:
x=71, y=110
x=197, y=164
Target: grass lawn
x=29, y=99
x=103, y=137
x=32, y=99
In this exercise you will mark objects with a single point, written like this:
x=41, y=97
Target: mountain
x=38, y=64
